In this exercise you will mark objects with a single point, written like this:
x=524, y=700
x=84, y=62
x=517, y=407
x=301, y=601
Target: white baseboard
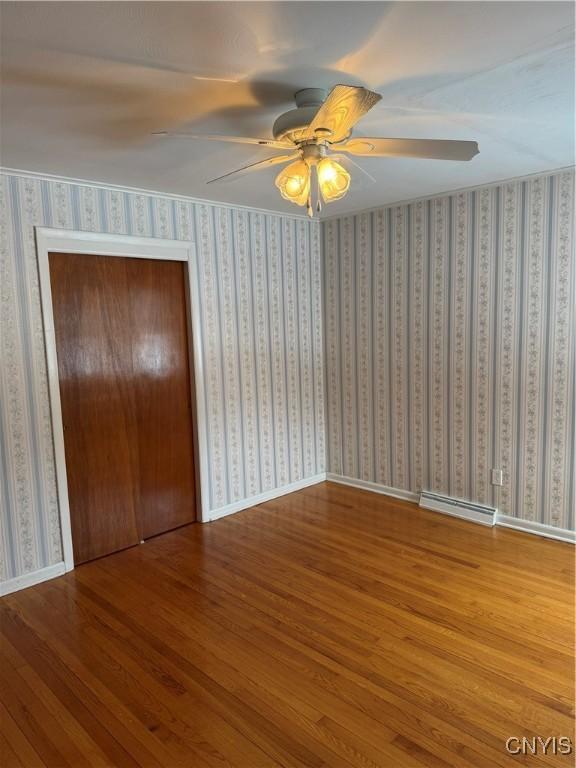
x=29, y=579
x=253, y=501
x=59, y=569
x=466, y=510
x=526, y=526
x=539, y=529
x=367, y=485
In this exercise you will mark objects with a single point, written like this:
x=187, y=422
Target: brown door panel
x=162, y=391
x=121, y=340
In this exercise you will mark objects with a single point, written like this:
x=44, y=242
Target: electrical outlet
x=497, y=477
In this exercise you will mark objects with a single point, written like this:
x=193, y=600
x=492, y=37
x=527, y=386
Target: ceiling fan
x=319, y=126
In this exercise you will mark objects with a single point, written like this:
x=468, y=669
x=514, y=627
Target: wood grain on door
x=122, y=346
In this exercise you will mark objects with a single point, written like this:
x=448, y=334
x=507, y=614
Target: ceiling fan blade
x=259, y=166
x=435, y=149
x=363, y=171
x=234, y=139
x=344, y=106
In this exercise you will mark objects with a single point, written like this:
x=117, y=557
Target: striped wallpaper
x=450, y=346
x=261, y=326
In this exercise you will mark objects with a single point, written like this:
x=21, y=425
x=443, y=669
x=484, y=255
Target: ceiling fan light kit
x=323, y=123
x=333, y=179
x=294, y=182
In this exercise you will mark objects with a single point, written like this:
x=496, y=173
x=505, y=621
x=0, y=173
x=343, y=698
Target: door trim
x=95, y=243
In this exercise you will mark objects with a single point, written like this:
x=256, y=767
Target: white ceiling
x=85, y=83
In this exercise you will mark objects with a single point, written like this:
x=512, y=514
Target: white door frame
x=66, y=241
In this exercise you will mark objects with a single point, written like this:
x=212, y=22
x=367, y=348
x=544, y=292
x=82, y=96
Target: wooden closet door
x=94, y=348
x=162, y=392
x=121, y=340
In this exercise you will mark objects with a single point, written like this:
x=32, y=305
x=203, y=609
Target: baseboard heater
x=468, y=510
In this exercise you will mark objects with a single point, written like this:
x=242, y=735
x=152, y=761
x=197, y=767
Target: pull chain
x=318, y=195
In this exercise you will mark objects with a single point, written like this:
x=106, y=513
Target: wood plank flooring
x=332, y=627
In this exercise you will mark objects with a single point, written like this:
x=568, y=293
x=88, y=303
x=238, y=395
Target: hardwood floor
x=332, y=627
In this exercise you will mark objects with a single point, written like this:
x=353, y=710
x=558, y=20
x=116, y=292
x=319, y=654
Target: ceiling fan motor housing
x=293, y=124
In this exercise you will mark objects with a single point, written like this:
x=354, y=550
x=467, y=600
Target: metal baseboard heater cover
x=468, y=510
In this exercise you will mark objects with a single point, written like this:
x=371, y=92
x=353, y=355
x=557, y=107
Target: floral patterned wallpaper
x=450, y=346
x=261, y=322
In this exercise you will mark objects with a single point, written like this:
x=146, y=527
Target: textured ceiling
x=85, y=83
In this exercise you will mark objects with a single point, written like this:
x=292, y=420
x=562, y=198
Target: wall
x=260, y=281
x=450, y=346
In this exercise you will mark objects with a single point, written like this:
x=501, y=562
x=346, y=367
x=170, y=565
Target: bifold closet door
x=122, y=345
